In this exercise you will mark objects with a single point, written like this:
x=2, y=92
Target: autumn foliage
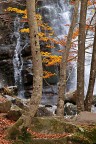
x=47, y=136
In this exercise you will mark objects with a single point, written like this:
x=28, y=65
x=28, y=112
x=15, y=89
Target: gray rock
x=51, y=108
x=21, y=103
x=42, y=111
x=70, y=109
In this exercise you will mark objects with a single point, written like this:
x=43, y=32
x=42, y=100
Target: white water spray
x=17, y=59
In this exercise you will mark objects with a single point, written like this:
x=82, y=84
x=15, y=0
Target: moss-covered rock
x=75, y=133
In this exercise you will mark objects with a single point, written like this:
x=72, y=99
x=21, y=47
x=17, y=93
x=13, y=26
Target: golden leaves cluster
x=47, y=74
x=49, y=59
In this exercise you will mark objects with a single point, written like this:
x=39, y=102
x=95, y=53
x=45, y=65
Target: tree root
x=13, y=131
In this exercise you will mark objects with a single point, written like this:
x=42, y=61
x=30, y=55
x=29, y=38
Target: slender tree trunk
x=63, y=65
x=81, y=57
x=26, y=119
x=36, y=60
x=89, y=96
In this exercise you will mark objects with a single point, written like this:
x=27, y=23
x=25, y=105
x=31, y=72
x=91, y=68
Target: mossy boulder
x=75, y=133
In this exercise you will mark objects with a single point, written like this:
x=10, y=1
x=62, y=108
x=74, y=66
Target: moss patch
x=52, y=125
x=43, y=141
x=88, y=136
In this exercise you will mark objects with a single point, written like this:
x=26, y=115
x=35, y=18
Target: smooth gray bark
x=81, y=56
x=63, y=65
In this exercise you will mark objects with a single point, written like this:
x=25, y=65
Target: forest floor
x=4, y=124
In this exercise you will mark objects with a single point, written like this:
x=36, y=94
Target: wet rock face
x=6, y=52
x=27, y=77
x=6, y=72
x=6, y=28
x=6, y=49
x=7, y=42
x=26, y=52
x=6, y=64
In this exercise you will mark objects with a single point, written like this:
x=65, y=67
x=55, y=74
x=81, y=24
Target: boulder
x=70, y=109
x=21, y=103
x=51, y=108
x=86, y=117
x=14, y=113
x=53, y=130
x=5, y=106
x=71, y=97
x=42, y=111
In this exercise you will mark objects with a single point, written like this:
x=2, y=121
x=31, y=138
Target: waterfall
x=57, y=13
x=17, y=59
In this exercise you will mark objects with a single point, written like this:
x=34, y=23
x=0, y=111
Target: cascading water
x=17, y=59
x=57, y=13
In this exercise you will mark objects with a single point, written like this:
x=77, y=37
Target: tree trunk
x=63, y=65
x=81, y=57
x=26, y=119
x=36, y=59
x=89, y=96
